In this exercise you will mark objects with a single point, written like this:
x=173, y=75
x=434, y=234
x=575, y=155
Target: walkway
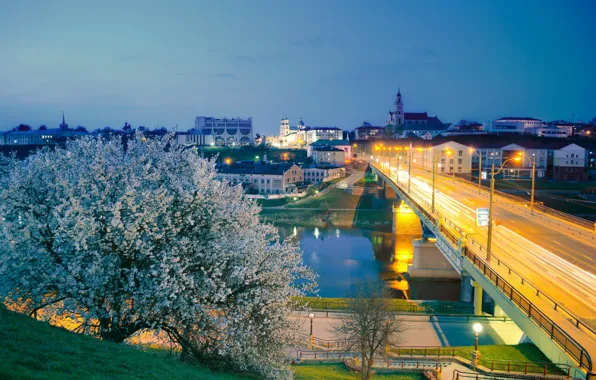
x=441, y=331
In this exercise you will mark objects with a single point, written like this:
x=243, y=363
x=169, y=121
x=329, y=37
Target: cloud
x=225, y=75
x=308, y=42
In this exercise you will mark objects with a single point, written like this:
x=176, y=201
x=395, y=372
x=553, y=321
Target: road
x=560, y=264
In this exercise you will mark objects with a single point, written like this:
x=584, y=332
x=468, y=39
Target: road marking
x=552, y=274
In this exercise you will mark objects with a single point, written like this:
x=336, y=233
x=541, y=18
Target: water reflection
x=342, y=257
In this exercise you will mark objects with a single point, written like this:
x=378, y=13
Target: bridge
x=541, y=268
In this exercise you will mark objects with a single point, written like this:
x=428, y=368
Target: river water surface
x=342, y=257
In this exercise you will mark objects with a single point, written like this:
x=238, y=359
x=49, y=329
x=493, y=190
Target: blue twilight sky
x=331, y=62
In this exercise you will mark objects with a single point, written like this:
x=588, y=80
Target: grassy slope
x=340, y=372
x=36, y=350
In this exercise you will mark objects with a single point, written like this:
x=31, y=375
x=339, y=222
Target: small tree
x=369, y=323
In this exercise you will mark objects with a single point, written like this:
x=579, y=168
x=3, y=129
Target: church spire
x=63, y=125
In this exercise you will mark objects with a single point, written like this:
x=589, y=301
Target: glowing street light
x=228, y=161
x=490, y=206
x=311, y=336
x=477, y=330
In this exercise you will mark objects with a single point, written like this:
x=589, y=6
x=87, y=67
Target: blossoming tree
x=143, y=235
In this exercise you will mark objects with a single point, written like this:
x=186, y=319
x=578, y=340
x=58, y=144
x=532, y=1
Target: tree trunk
x=363, y=370
x=369, y=368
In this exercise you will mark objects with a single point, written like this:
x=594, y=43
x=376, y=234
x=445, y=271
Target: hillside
x=36, y=350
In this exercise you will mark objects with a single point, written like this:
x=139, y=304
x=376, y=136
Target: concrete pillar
x=477, y=298
x=467, y=290
x=429, y=262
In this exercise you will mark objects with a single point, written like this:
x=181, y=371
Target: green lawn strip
x=493, y=356
x=338, y=371
x=36, y=350
x=340, y=199
x=442, y=307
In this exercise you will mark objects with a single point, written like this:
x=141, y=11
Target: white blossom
x=144, y=236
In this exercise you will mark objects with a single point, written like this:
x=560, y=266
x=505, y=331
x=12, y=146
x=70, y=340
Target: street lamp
x=490, y=205
x=477, y=330
x=475, y=355
x=449, y=153
x=311, y=336
x=257, y=158
x=409, y=156
x=472, y=150
x=533, y=182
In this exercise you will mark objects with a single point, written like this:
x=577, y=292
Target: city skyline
x=162, y=65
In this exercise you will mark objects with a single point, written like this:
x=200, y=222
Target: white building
x=220, y=131
x=300, y=135
x=328, y=156
x=264, y=178
x=450, y=157
x=570, y=163
x=515, y=125
x=339, y=144
x=319, y=175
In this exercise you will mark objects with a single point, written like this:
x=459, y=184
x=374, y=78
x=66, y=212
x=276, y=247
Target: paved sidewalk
x=422, y=332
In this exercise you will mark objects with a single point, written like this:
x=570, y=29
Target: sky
x=331, y=62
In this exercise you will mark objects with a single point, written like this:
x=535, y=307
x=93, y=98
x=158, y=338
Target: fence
x=507, y=366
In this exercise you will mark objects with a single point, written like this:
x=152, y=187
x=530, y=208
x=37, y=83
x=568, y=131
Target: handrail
x=492, y=364
x=434, y=355
x=570, y=346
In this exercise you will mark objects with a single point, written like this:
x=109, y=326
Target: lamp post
x=490, y=205
x=472, y=150
x=449, y=153
x=477, y=330
x=533, y=183
x=409, y=155
x=311, y=336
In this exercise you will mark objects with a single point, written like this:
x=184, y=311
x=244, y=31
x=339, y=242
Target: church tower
x=398, y=113
x=63, y=126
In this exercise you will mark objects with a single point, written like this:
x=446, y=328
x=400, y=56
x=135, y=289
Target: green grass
x=443, y=307
x=340, y=372
x=274, y=202
x=380, y=219
x=36, y=350
x=340, y=199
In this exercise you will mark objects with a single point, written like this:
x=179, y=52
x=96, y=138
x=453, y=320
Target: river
x=342, y=257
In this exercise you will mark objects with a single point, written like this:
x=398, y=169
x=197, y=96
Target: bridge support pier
x=477, y=298
x=467, y=290
x=429, y=262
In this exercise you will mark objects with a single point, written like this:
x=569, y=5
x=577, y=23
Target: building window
x=459, y=161
x=460, y=153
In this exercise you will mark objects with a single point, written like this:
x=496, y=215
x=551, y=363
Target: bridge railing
x=556, y=333
x=570, y=346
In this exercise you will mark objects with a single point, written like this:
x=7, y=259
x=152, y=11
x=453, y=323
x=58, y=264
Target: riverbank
x=370, y=218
